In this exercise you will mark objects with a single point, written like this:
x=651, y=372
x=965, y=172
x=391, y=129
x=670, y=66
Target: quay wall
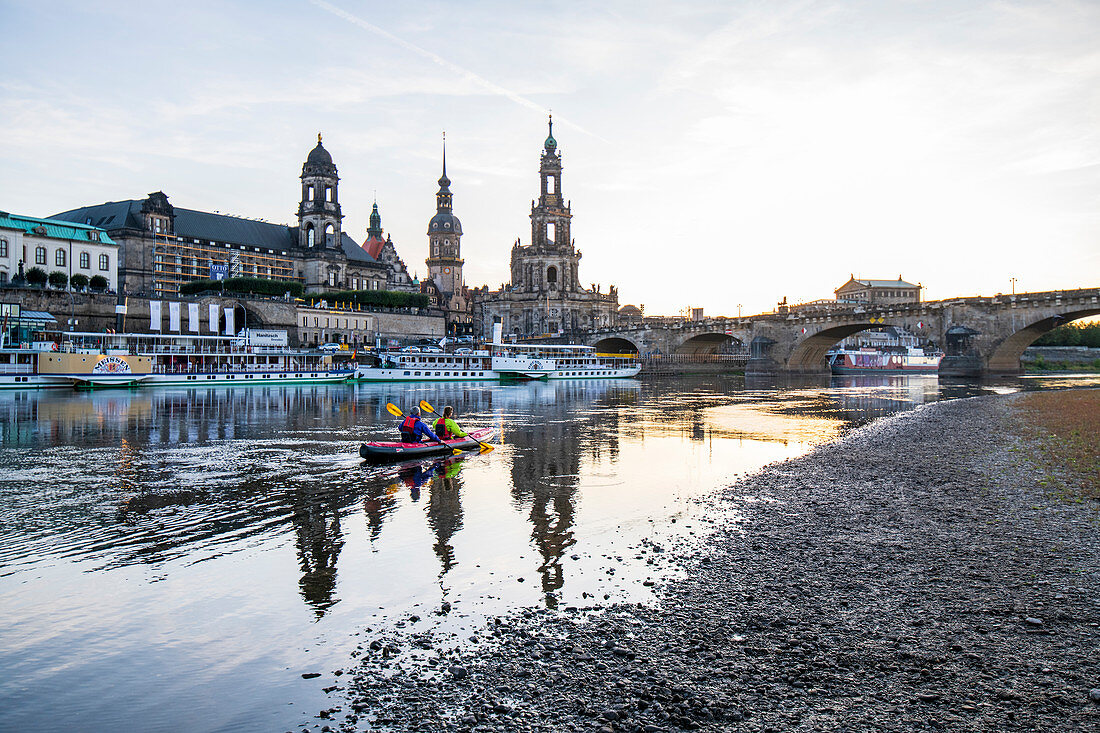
x=1066, y=354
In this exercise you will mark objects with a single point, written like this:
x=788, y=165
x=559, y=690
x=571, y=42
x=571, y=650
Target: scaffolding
x=177, y=261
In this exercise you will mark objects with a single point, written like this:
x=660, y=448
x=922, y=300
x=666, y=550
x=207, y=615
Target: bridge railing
x=740, y=358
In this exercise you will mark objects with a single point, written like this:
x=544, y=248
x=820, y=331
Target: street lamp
x=1013, y=281
x=738, y=310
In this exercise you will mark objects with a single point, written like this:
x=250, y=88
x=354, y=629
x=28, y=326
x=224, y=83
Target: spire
x=375, y=228
x=551, y=144
x=318, y=138
x=444, y=182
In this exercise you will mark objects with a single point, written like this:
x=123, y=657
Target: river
x=178, y=559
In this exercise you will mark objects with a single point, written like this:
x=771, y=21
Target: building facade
x=55, y=246
x=161, y=246
x=879, y=292
x=545, y=295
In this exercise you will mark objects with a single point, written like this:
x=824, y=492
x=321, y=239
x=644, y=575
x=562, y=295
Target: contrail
x=465, y=73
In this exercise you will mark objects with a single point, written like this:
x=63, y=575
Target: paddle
x=396, y=412
x=485, y=447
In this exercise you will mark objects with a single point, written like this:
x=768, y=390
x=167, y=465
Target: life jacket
x=408, y=427
x=441, y=429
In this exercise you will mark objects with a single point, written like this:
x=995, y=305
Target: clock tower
x=444, y=237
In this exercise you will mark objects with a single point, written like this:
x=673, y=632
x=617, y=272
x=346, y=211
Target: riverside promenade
x=935, y=570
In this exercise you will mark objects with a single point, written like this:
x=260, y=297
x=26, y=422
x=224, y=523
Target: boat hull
x=384, y=452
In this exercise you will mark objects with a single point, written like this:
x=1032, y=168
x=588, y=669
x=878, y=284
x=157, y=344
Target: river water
x=178, y=559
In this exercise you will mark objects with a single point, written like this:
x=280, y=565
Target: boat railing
x=16, y=369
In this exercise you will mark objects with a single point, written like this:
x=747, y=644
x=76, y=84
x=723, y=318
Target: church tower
x=319, y=211
x=550, y=264
x=444, y=234
x=550, y=216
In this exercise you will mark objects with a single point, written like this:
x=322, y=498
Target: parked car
x=330, y=347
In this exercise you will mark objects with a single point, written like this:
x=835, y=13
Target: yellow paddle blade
x=426, y=407
x=485, y=448
x=456, y=451
x=394, y=409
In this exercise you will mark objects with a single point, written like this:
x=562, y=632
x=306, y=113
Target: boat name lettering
x=111, y=365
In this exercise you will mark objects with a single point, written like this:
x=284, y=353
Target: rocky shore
x=913, y=576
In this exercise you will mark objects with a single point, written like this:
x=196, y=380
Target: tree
x=58, y=280
x=37, y=277
x=98, y=283
x=79, y=282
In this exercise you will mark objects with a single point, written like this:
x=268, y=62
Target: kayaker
x=413, y=428
x=446, y=427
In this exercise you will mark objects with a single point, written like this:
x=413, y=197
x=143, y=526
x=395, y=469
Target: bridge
x=981, y=336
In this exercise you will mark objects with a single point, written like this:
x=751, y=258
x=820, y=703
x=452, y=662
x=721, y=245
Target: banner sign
x=174, y=316
x=218, y=271
x=214, y=313
x=229, y=330
x=193, y=317
x=154, y=315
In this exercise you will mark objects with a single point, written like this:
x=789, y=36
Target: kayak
x=382, y=451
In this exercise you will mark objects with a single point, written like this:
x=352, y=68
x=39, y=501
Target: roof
x=189, y=223
x=31, y=318
x=53, y=228
x=373, y=246
x=899, y=283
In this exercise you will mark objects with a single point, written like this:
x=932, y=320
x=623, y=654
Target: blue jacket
x=420, y=429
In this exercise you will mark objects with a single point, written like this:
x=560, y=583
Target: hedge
x=256, y=285
x=385, y=298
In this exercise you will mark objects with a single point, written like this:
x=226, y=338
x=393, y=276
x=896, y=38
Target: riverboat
x=81, y=359
x=865, y=361
x=495, y=362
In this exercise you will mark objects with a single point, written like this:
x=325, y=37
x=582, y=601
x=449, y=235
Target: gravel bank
x=912, y=576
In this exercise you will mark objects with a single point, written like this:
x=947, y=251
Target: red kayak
x=379, y=451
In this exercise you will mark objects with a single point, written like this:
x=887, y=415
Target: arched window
x=330, y=235
x=310, y=235
x=551, y=274
x=39, y=255
x=104, y=262
x=550, y=184
x=328, y=193
x=59, y=258
x=551, y=232
x=309, y=193
x=85, y=261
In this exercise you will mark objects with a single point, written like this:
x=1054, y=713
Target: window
x=59, y=258
x=551, y=274
x=309, y=193
x=310, y=238
x=93, y=236
x=39, y=255
x=3, y=248
x=3, y=277
x=85, y=261
x=104, y=262
x=328, y=193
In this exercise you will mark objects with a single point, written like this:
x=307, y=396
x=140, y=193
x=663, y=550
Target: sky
x=718, y=154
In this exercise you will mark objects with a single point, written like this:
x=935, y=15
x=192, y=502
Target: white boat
x=870, y=360
x=495, y=362
x=80, y=359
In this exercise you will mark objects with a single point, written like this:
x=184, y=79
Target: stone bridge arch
x=1005, y=356
x=705, y=343
x=616, y=345
x=809, y=354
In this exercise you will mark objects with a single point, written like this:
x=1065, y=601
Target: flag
x=193, y=317
x=174, y=316
x=229, y=330
x=214, y=318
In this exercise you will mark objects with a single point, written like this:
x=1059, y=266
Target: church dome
x=444, y=222
x=319, y=156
